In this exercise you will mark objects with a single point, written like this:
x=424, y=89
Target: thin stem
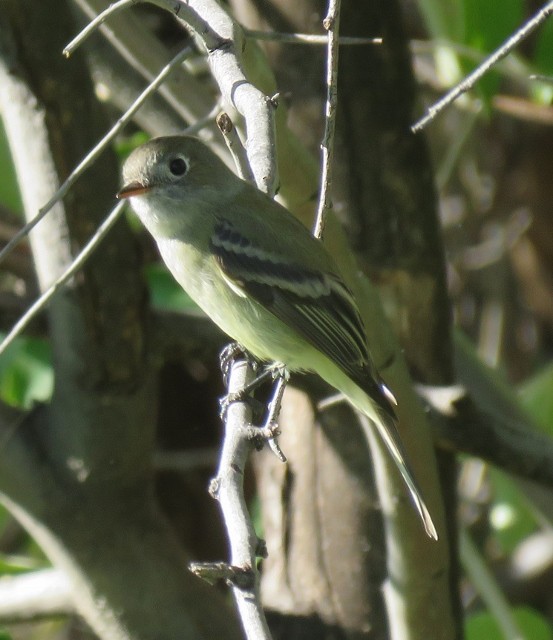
x=235, y=146
x=488, y=63
x=77, y=263
x=332, y=24
x=307, y=38
x=93, y=154
x=484, y=582
x=91, y=27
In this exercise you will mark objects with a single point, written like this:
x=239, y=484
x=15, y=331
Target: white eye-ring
x=178, y=166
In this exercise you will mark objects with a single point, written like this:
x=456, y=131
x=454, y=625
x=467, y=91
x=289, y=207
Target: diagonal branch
x=513, y=41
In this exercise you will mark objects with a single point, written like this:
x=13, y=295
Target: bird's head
x=173, y=167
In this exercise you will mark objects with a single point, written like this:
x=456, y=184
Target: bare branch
x=223, y=43
x=75, y=266
x=92, y=26
x=482, y=69
x=332, y=24
x=187, y=96
x=94, y=153
x=235, y=147
x=38, y=594
x=228, y=488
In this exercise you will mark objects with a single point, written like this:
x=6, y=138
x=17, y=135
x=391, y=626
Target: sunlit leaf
x=484, y=626
x=26, y=373
x=537, y=397
x=487, y=25
x=14, y=565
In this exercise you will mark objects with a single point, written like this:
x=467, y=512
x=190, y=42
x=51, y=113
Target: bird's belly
x=243, y=319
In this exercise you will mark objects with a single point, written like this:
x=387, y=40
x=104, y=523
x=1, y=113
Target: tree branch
x=77, y=474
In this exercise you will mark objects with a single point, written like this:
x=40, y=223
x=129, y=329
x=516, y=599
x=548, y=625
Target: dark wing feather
x=318, y=305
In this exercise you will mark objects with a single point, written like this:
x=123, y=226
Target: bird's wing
x=318, y=305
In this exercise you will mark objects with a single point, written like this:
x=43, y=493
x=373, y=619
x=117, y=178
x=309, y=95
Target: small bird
x=260, y=275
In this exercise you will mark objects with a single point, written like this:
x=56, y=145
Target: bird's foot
x=267, y=435
x=256, y=406
x=229, y=355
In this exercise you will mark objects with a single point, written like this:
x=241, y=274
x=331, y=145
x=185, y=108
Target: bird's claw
x=267, y=435
x=256, y=406
x=228, y=357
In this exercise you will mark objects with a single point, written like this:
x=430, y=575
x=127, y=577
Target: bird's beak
x=132, y=189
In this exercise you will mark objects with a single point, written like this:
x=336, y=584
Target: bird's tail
x=389, y=433
x=382, y=416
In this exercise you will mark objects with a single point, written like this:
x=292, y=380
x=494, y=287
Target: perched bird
x=260, y=275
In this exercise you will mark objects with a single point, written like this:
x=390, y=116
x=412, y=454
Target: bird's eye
x=177, y=166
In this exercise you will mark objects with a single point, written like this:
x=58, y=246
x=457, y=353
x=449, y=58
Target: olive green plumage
x=260, y=275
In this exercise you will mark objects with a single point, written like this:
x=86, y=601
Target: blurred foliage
x=532, y=625
x=9, y=190
x=536, y=394
x=511, y=517
x=165, y=293
x=479, y=200
x=26, y=373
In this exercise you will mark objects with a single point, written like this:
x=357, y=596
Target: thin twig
x=488, y=63
x=332, y=24
x=224, y=51
x=77, y=263
x=235, y=146
x=91, y=27
x=93, y=154
x=182, y=91
x=307, y=38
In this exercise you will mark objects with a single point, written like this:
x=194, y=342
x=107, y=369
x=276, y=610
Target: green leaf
x=165, y=292
x=4, y=635
x=14, y=565
x=26, y=373
x=9, y=190
x=487, y=25
x=536, y=396
x=124, y=146
x=543, y=52
x=444, y=20
x=484, y=626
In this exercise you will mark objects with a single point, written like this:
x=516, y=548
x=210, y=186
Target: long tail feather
x=375, y=401
x=388, y=432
